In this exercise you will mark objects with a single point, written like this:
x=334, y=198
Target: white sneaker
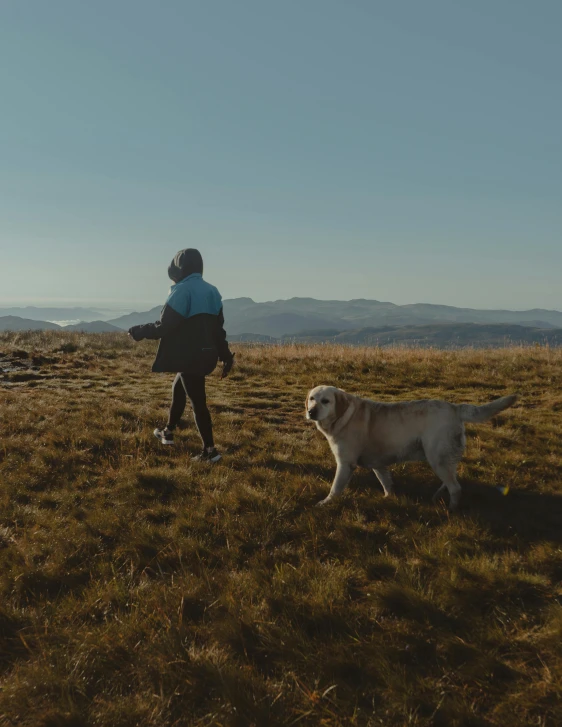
x=208, y=455
x=164, y=435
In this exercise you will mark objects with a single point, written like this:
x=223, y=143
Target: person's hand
x=133, y=333
x=227, y=366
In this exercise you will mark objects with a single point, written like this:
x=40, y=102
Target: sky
x=404, y=151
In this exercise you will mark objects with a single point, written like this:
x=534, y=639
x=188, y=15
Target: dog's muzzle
x=312, y=414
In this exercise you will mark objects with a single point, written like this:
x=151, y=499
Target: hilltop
x=141, y=588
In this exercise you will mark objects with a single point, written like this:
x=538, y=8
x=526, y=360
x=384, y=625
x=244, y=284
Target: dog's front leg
x=343, y=475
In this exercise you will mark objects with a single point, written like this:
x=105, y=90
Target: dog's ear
x=342, y=403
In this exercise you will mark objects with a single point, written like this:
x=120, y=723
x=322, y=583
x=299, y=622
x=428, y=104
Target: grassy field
x=139, y=588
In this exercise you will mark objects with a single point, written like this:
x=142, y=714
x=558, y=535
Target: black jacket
x=188, y=345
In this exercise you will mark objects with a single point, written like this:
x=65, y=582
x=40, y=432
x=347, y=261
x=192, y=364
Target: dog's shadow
x=528, y=516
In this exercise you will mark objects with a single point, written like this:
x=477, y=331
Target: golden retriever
x=375, y=435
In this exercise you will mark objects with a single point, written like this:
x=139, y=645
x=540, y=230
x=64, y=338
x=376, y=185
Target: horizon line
x=140, y=307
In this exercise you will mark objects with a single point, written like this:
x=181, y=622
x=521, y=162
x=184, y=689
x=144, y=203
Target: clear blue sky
x=406, y=151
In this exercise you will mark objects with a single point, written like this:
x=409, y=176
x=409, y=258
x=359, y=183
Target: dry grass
x=138, y=588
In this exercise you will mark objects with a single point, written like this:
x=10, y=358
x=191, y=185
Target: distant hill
x=15, y=323
x=279, y=324
x=439, y=335
x=442, y=313
x=251, y=338
x=290, y=317
x=35, y=313
x=245, y=315
x=136, y=319
x=370, y=322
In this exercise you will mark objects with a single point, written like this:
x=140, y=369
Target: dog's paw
x=323, y=502
x=438, y=495
x=454, y=504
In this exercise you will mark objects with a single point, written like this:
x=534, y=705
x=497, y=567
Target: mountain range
x=356, y=321
x=435, y=335
x=33, y=313
x=16, y=323
x=290, y=317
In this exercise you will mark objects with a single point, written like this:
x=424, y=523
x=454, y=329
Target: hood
x=186, y=262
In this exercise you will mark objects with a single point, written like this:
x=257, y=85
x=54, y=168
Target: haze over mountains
x=16, y=323
x=354, y=321
x=35, y=313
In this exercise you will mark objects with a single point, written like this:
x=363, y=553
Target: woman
x=192, y=340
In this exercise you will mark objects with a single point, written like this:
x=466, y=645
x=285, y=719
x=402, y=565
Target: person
x=192, y=341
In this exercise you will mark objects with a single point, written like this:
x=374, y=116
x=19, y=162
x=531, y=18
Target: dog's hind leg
x=343, y=475
x=385, y=478
x=444, y=452
x=447, y=473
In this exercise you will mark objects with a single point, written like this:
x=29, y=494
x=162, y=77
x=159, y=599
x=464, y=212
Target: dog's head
x=326, y=402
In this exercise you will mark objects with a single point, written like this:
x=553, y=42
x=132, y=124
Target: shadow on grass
x=12, y=647
x=405, y=603
x=156, y=487
x=529, y=516
x=36, y=585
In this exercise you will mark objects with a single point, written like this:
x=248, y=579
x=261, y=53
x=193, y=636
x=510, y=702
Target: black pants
x=192, y=386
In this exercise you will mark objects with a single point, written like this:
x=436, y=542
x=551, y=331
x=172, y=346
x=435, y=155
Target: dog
x=375, y=435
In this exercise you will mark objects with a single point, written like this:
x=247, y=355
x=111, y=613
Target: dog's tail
x=471, y=413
